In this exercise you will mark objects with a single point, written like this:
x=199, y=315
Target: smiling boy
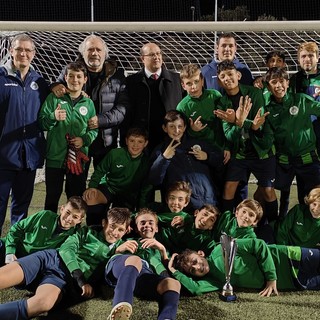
x=240, y=224
x=293, y=134
x=66, y=121
x=119, y=178
x=70, y=272
x=142, y=273
x=43, y=230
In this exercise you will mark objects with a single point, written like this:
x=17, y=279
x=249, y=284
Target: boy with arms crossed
x=70, y=272
x=69, y=137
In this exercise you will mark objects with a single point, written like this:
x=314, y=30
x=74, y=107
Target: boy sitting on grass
x=142, y=273
x=69, y=272
x=301, y=226
x=119, y=177
x=43, y=230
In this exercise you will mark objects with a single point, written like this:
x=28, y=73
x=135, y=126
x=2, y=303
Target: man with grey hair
x=105, y=86
x=22, y=144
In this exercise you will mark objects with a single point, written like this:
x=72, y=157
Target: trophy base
x=228, y=298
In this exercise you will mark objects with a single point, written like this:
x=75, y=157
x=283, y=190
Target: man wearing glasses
x=22, y=144
x=153, y=91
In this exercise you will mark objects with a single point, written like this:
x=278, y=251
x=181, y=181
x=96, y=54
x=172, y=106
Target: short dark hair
x=174, y=115
x=78, y=203
x=275, y=53
x=182, y=261
x=119, y=215
x=275, y=72
x=146, y=211
x=210, y=208
x=225, y=35
x=76, y=66
x=137, y=131
x=225, y=65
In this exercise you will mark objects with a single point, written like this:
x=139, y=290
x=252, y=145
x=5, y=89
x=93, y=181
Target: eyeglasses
x=20, y=50
x=153, y=55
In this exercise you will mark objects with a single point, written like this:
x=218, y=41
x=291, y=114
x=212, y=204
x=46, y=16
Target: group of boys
x=214, y=141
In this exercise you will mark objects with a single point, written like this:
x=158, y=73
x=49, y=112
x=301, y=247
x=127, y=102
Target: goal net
x=181, y=42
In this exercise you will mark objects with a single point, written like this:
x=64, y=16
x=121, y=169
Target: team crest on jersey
x=83, y=110
x=294, y=110
x=34, y=86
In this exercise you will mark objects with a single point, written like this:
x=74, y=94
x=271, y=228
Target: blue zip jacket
x=209, y=72
x=20, y=102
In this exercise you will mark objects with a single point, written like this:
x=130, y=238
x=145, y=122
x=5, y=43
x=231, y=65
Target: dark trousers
x=21, y=185
x=75, y=186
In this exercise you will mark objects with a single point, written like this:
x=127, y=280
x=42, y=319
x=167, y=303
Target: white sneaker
x=121, y=311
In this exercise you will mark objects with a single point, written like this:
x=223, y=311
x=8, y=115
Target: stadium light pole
x=92, y=10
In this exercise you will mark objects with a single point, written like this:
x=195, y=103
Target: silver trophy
x=229, y=249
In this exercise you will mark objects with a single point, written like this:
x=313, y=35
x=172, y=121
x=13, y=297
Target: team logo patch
x=34, y=86
x=83, y=110
x=294, y=110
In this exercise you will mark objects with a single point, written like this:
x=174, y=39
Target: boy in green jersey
x=301, y=226
x=193, y=232
x=256, y=266
x=119, y=178
x=292, y=133
x=242, y=112
x=241, y=223
x=68, y=137
x=141, y=272
x=42, y=230
x=70, y=272
x=177, y=198
x=199, y=106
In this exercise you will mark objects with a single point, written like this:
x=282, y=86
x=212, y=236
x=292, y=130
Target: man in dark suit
x=153, y=91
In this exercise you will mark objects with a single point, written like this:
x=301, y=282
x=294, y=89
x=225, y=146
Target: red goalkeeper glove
x=75, y=159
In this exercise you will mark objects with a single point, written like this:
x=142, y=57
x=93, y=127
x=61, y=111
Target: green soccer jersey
x=290, y=122
x=228, y=224
x=177, y=239
x=204, y=107
x=37, y=232
x=123, y=175
x=88, y=251
x=76, y=125
x=248, y=143
x=299, y=228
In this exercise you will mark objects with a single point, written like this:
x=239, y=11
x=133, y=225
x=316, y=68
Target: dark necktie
x=154, y=76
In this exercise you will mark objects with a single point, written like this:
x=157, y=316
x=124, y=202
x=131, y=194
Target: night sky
x=150, y=10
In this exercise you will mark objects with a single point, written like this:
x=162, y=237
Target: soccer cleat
x=121, y=311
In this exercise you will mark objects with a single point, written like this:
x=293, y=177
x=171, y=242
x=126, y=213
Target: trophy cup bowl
x=229, y=249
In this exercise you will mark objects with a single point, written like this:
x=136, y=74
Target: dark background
x=150, y=10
